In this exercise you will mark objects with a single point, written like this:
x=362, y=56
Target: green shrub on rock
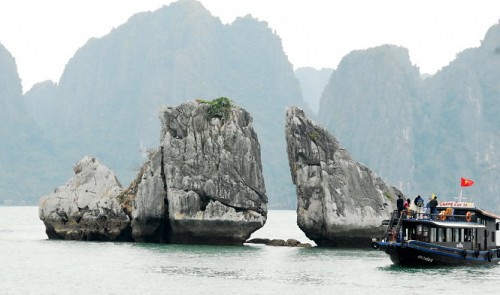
x=219, y=107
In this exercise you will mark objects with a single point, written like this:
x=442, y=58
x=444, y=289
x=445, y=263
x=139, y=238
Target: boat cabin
x=458, y=233
x=456, y=225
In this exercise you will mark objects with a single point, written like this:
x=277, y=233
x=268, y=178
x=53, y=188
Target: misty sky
x=43, y=35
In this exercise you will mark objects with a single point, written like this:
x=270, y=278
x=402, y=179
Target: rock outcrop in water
x=279, y=242
x=340, y=202
x=204, y=183
x=86, y=208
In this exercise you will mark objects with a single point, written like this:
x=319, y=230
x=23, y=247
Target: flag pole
x=460, y=196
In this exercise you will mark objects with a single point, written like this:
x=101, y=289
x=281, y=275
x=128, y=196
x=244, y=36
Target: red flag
x=466, y=182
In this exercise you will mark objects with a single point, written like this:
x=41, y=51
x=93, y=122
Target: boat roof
x=453, y=224
x=489, y=214
x=466, y=205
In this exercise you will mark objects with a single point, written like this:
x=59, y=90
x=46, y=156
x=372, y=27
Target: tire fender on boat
x=490, y=256
x=498, y=253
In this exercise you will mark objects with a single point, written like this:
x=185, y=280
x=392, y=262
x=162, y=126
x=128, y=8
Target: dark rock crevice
x=165, y=228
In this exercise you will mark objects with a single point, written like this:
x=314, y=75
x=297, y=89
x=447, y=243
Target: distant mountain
x=11, y=124
x=26, y=157
x=312, y=83
x=421, y=135
x=106, y=103
x=461, y=135
x=369, y=105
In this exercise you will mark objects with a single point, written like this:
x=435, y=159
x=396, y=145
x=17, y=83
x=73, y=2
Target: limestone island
x=202, y=185
x=340, y=202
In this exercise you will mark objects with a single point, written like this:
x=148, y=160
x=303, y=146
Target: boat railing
x=444, y=215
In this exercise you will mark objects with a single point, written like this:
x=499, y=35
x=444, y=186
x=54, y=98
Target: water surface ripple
x=32, y=264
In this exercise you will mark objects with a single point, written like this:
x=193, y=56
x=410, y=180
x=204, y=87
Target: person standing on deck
x=432, y=205
x=406, y=206
x=400, y=203
x=419, y=202
x=428, y=208
x=406, y=203
x=413, y=208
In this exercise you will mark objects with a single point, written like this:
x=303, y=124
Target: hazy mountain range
x=106, y=102
x=312, y=82
x=420, y=135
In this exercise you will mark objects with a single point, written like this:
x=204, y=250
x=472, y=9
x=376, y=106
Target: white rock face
x=340, y=202
x=86, y=208
x=204, y=184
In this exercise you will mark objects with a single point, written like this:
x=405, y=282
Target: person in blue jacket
x=432, y=205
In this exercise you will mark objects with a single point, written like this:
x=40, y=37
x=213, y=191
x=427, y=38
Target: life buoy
x=468, y=216
x=442, y=215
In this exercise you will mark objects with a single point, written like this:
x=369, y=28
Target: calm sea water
x=32, y=264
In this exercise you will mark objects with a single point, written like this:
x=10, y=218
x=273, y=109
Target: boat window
x=440, y=234
x=422, y=233
x=456, y=235
x=468, y=235
x=433, y=235
x=448, y=235
x=425, y=233
x=410, y=233
x=493, y=236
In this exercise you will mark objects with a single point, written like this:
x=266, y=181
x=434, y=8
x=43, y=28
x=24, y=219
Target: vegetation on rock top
x=218, y=108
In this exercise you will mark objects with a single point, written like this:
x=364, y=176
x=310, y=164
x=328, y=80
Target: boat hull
x=415, y=253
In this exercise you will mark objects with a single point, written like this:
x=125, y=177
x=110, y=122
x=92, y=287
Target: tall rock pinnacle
x=339, y=202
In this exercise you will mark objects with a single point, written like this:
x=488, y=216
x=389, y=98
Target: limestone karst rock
x=339, y=202
x=204, y=183
x=86, y=208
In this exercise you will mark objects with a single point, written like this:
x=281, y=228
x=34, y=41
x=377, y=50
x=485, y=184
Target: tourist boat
x=459, y=234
